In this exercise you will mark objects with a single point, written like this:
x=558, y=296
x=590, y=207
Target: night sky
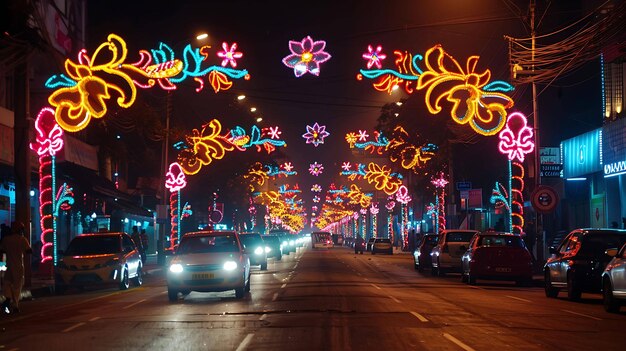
x=263, y=29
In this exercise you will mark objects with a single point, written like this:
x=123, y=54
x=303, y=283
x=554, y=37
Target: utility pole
x=165, y=167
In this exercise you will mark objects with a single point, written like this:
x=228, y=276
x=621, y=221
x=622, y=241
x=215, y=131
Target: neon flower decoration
x=315, y=135
x=287, y=166
x=205, y=146
x=85, y=93
x=316, y=188
x=516, y=139
x=316, y=169
x=363, y=135
x=358, y=173
x=402, y=195
x=356, y=196
x=382, y=178
x=316, y=199
x=363, y=211
x=285, y=169
x=379, y=143
x=390, y=205
x=410, y=156
x=374, y=209
x=306, y=56
x=186, y=210
x=346, y=166
x=351, y=138
x=273, y=132
x=374, y=57
x=484, y=109
x=49, y=134
x=406, y=73
x=175, y=178
x=440, y=181
x=229, y=55
x=257, y=173
x=258, y=138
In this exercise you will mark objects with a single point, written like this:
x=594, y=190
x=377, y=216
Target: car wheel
x=124, y=281
x=264, y=266
x=239, y=292
x=573, y=288
x=172, y=294
x=549, y=289
x=610, y=303
x=138, y=280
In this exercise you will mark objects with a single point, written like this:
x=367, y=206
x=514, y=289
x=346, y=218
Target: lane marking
x=394, y=299
x=94, y=319
x=73, y=327
x=582, y=315
x=517, y=298
x=263, y=317
x=283, y=286
x=458, y=342
x=245, y=342
x=275, y=297
x=376, y=286
x=133, y=304
x=419, y=316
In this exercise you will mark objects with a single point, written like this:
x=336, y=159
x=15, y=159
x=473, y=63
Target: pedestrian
x=137, y=239
x=14, y=245
x=144, y=244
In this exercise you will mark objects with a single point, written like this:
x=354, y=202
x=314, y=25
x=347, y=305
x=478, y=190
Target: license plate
x=503, y=269
x=201, y=276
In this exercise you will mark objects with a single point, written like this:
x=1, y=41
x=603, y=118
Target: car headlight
x=230, y=265
x=267, y=249
x=176, y=268
x=292, y=243
x=258, y=251
x=285, y=243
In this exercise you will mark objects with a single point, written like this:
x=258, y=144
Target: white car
x=614, y=280
x=451, y=245
x=209, y=261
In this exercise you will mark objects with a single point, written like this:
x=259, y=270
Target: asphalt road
x=319, y=300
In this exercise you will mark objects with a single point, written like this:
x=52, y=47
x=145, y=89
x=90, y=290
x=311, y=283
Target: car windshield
x=500, y=240
x=272, y=239
x=596, y=244
x=94, y=245
x=430, y=240
x=251, y=239
x=209, y=243
x=459, y=237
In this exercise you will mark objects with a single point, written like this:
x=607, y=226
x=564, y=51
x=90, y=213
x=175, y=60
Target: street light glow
x=252, y=109
x=399, y=103
x=259, y=119
x=241, y=97
x=202, y=36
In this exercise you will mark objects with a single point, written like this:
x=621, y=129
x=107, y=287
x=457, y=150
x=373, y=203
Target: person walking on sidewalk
x=15, y=245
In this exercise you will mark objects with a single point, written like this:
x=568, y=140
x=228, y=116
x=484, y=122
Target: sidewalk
x=44, y=286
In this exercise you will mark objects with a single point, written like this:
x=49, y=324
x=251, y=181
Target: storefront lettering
x=615, y=168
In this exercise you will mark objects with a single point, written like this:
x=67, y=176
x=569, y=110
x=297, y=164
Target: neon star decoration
x=229, y=55
x=315, y=135
x=473, y=99
x=306, y=56
x=374, y=57
x=316, y=169
x=516, y=139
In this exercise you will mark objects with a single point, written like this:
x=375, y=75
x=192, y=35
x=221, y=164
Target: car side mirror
x=612, y=252
x=552, y=250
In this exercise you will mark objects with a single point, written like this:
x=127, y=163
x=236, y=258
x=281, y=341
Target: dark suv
x=255, y=248
x=421, y=255
x=275, y=247
x=577, y=264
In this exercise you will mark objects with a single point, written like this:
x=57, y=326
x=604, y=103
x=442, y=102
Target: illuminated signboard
x=582, y=154
x=614, y=148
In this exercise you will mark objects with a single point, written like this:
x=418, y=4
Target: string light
x=306, y=56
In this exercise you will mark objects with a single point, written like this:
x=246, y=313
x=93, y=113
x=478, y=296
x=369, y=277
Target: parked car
x=421, y=254
x=382, y=245
x=370, y=243
x=578, y=263
x=614, y=280
x=275, y=247
x=321, y=240
x=497, y=256
x=451, y=245
x=256, y=249
x=99, y=259
x=208, y=261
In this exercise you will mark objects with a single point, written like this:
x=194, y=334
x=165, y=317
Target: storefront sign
x=614, y=169
x=550, y=155
x=551, y=171
x=581, y=154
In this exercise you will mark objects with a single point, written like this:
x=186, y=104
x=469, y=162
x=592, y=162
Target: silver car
x=614, y=280
x=446, y=255
x=209, y=261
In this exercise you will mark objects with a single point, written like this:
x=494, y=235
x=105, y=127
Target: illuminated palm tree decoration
x=440, y=183
x=175, y=181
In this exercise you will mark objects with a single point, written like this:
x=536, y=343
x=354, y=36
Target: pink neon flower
x=402, y=196
x=363, y=135
x=274, y=133
x=315, y=135
x=346, y=166
x=516, y=139
x=316, y=169
x=287, y=166
x=175, y=178
x=229, y=55
x=49, y=134
x=306, y=56
x=374, y=57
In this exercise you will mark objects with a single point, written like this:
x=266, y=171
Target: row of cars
x=203, y=261
x=587, y=260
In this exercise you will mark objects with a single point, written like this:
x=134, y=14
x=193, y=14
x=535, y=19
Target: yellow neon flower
x=205, y=146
